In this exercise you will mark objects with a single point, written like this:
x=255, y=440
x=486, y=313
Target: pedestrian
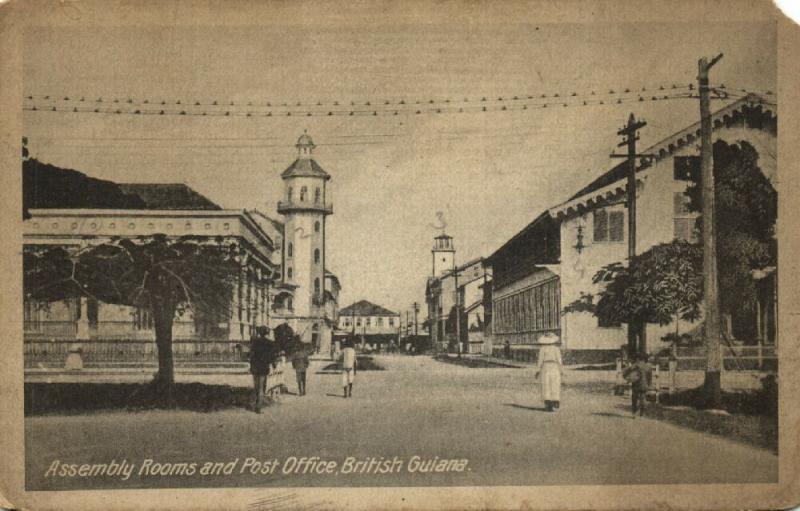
x=550, y=370
x=261, y=356
x=300, y=364
x=348, y=367
x=507, y=349
x=639, y=374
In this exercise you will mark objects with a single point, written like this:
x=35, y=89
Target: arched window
x=316, y=286
x=316, y=226
x=289, y=273
x=289, y=304
x=303, y=193
x=289, y=194
x=316, y=255
x=289, y=250
x=317, y=196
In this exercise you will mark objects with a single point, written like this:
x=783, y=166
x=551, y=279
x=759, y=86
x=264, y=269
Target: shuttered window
x=609, y=226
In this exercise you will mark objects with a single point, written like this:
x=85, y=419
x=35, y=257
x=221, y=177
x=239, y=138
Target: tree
x=659, y=286
x=164, y=275
x=746, y=211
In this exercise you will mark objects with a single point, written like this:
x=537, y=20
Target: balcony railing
x=295, y=205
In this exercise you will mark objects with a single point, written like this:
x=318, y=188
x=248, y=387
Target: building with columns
x=85, y=318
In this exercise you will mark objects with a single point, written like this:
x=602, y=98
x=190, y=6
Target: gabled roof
x=365, y=308
x=305, y=167
x=168, y=196
x=752, y=109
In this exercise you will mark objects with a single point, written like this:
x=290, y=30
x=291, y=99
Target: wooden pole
x=711, y=385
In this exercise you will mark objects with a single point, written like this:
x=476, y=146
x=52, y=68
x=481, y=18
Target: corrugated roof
x=168, y=196
x=305, y=167
x=365, y=308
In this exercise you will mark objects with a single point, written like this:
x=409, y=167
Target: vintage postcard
x=425, y=255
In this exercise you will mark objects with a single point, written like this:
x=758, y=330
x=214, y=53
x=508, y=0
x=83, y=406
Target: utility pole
x=629, y=132
x=416, y=310
x=458, y=310
x=711, y=386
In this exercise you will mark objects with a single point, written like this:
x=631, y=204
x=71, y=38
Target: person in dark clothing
x=262, y=355
x=300, y=365
x=639, y=375
x=507, y=350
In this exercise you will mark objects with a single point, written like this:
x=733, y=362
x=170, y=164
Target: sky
x=487, y=174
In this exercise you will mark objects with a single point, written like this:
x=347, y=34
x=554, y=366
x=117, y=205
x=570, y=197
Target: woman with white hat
x=549, y=368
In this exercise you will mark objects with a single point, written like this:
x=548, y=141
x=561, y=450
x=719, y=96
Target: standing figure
x=507, y=350
x=261, y=356
x=549, y=369
x=300, y=365
x=348, y=367
x=639, y=375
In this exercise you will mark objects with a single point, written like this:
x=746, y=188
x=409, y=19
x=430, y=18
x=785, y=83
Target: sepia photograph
x=312, y=250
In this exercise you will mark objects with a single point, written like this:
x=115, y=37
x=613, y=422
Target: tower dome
x=305, y=145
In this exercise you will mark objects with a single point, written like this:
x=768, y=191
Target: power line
x=372, y=102
x=360, y=112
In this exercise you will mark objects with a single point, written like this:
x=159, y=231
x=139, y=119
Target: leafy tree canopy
x=746, y=207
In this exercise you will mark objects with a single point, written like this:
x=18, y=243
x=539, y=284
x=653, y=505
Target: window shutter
x=600, y=225
x=616, y=228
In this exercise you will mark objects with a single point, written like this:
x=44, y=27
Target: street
x=417, y=407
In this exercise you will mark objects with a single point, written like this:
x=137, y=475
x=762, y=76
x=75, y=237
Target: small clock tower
x=443, y=254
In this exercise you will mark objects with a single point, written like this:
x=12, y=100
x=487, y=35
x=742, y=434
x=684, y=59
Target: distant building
x=446, y=279
x=373, y=323
x=553, y=260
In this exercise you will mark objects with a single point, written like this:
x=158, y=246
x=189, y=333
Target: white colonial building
x=370, y=322
x=551, y=262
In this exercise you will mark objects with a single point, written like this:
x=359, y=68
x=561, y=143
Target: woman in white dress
x=549, y=370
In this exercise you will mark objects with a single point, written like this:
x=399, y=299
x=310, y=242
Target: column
x=235, y=318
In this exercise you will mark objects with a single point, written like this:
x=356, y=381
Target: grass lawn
x=81, y=398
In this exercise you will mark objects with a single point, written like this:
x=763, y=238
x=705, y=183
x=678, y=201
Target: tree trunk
x=163, y=317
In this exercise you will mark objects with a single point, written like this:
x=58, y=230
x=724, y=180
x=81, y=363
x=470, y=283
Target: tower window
x=289, y=194
x=316, y=226
x=289, y=304
x=316, y=286
x=316, y=255
x=289, y=250
x=317, y=196
x=303, y=193
x=289, y=273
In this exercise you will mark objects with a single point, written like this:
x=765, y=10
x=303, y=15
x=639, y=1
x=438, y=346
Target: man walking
x=300, y=365
x=261, y=356
x=348, y=367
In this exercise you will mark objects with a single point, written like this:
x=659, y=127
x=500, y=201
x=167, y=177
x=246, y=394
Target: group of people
x=550, y=370
x=265, y=353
